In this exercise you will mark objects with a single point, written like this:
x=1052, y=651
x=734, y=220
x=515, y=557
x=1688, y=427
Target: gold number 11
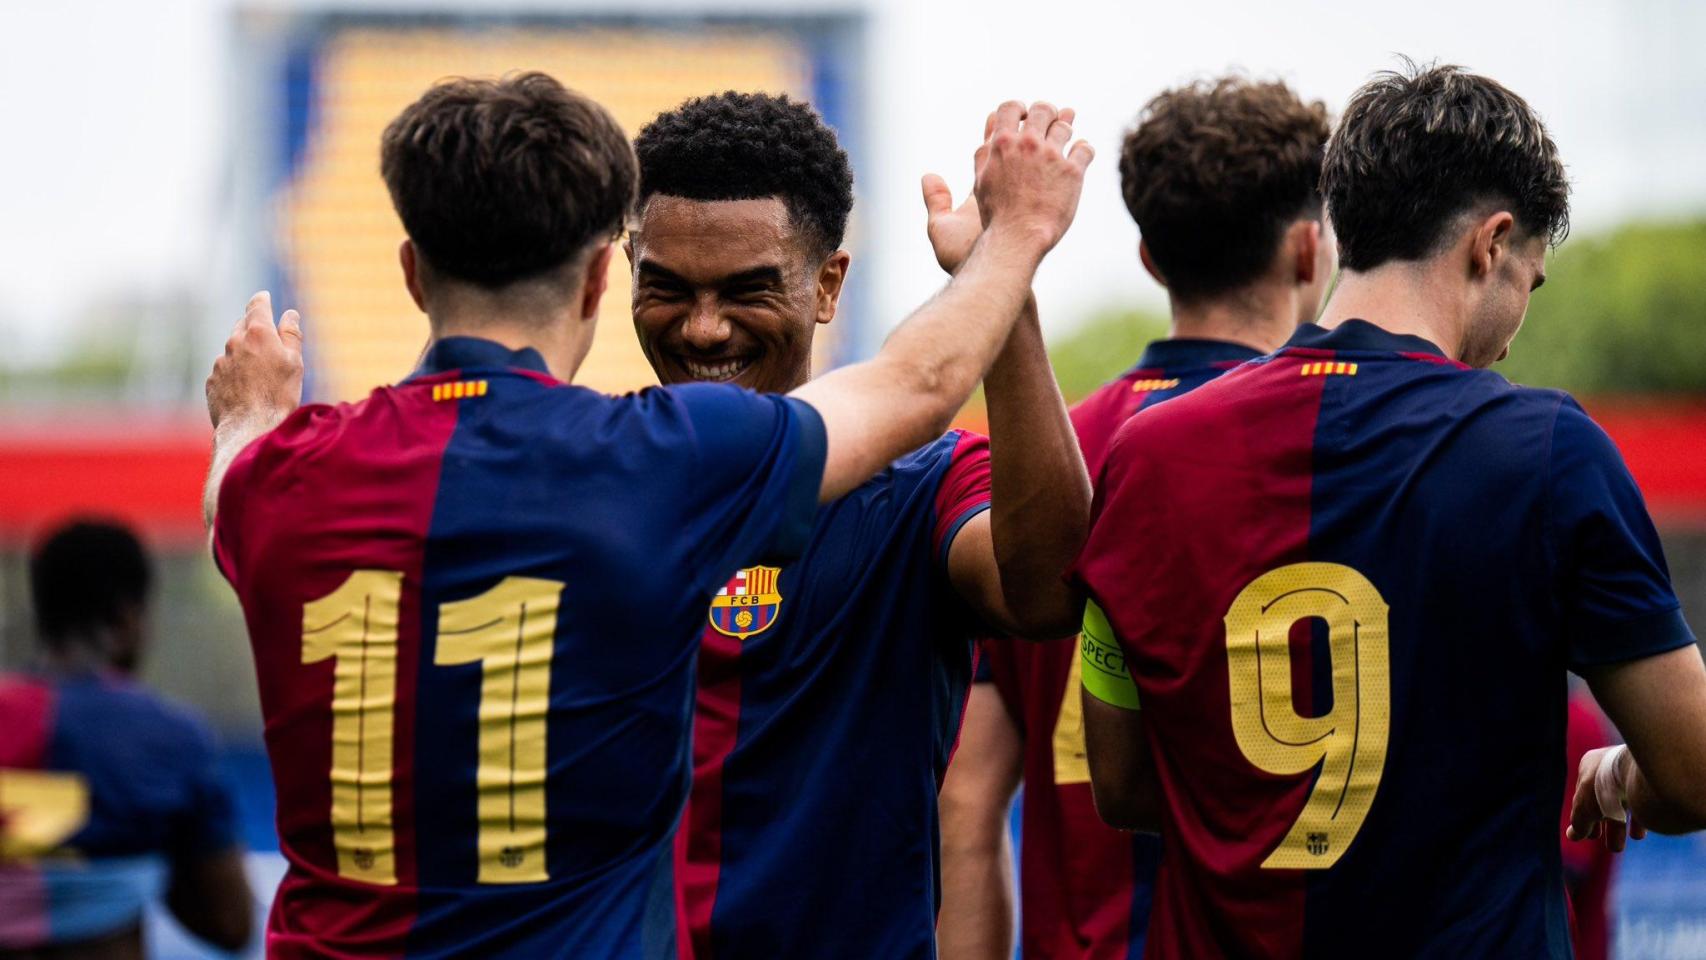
x=510, y=631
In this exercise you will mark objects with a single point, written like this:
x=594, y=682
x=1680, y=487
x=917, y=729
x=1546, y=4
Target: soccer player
x=475, y=597
x=1221, y=178
x=1335, y=591
x=831, y=688
x=109, y=795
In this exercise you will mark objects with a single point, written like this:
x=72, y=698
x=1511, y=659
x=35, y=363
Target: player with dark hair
x=109, y=795
x=1335, y=591
x=1221, y=177
x=833, y=684
x=475, y=597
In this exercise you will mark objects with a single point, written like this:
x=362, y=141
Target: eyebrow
x=766, y=275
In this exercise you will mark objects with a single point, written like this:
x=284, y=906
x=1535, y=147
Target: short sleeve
x=1615, y=590
x=228, y=517
x=964, y=492
x=757, y=468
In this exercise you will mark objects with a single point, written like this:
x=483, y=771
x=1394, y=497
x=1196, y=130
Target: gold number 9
x=1349, y=741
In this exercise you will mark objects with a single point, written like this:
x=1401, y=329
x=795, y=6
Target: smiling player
x=475, y=597
x=831, y=688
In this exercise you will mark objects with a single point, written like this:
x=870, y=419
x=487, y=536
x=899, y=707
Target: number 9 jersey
x=1347, y=581
x=474, y=601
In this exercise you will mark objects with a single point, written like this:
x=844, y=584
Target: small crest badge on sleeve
x=748, y=604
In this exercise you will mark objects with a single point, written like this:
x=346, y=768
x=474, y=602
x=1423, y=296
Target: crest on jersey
x=748, y=604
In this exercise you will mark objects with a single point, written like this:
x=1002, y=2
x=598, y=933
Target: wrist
x=1016, y=242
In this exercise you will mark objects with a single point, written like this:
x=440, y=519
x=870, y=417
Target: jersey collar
x=1361, y=335
x=1185, y=352
x=465, y=353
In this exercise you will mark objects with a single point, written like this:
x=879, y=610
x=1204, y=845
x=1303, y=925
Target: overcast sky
x=112, y=154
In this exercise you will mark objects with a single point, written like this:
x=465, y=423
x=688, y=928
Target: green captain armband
x=1104, y=671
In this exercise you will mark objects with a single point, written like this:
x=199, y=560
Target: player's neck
x=1401, y=297
x=561, y=342
x=1256, y=317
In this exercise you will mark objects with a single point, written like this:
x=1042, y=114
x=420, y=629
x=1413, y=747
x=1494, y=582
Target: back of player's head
x=1418, y=148
x=1214, y=173
x=87, y=577
x=499, y=180
x=746, y=146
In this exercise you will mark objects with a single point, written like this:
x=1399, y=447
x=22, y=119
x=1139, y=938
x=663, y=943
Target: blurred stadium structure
x=117, y=429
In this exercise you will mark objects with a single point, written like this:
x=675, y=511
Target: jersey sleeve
x=228, y=515
x=757, y=467
x=1614, y=588
x=964, y=492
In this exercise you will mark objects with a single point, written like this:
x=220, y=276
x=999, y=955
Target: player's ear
x=1491, y=242
x=1149, y=262
x=831, y=278
x=1304, y=244
x=597, y=280
x=411, y=272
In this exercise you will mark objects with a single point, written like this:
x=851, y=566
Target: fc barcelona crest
x=748, y=603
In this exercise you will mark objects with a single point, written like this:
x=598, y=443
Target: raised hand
x=953, y=231
x=1026, y=185
x=259, y=378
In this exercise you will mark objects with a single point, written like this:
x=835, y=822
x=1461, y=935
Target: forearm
x=976, y=920
x=1662, y=814
x=908, y=393
x=1039, y=491
x=229, y=439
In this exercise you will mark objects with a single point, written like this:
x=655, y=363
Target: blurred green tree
x=1621, y=312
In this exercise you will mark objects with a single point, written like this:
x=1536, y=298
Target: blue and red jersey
x=474, y=601
x=1085, y=887
x=104, y=788
x=1347, y=581
x=831, y=692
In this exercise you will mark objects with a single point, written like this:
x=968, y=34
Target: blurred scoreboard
x=329, y=235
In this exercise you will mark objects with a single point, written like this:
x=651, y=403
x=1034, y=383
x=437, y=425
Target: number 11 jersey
x=474, y=600
x=1347, y=581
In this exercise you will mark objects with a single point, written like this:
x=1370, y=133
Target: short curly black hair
x=743, y=146
x=84, y=576
x=1215, y=172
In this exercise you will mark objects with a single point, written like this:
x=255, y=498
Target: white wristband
x=1608, y=786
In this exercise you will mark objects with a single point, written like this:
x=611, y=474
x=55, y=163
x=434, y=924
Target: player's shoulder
x=98, y=705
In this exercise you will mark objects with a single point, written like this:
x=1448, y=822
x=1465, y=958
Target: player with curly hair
x=1221, y=178
x=831, y=688
x=1332, y=670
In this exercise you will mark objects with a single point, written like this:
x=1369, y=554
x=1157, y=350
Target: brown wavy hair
x=1417, y=148
x=499, y=180
x=1214, y=172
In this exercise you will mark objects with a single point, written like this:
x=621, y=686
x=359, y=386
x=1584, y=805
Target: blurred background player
x=1221, y=177
x=1347, y=580
x=475, y=597
x=109, y=797
x=834, y=684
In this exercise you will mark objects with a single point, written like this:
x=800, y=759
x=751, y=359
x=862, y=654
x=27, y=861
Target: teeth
x=719, y=372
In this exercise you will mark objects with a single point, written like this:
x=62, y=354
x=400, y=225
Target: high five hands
x=1026, y=182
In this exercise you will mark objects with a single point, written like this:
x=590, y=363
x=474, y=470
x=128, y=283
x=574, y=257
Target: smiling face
x=729, y=291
